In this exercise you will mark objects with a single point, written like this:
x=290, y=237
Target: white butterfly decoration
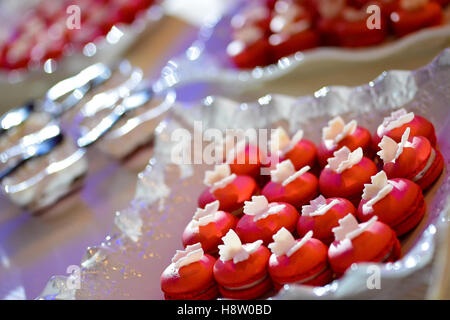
x=232, y=248
x=285, y=173
x=337, y=130
x=187, y=256
x=280, y=141
x=285, y=243
x=260, y=209
x=219, y=178
x=390, y=149
x=203, y=217
x=344, y=159
x=318, y=207
x=376, y=190
x=396, y=120
x=349, y=228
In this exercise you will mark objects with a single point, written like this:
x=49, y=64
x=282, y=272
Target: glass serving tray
x=128, y=264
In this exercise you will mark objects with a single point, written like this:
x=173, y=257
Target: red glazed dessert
x=252, y=15
x=190, y=276
x=372, y=241
x=299, y=151
x=395, y=125
x=303, y=261
x=292, y=28
x=413, y=158
x=349, y=28
x=208, y=226
x=346, y=174
x=294, y=187
x=261, y=219
x=415, y=15
x=246, y=160
x=338, y=134
x=241, y=270
x=399, y=203
x=322, y=215
x=230, y=189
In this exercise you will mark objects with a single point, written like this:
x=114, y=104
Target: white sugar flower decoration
x=395, y=120
x=219, y=178
x=187, y=256
x=232, y=248
x=318, y=207
x=285, y=172
x=344, y=159
x=349, y=228
x=280, y=141
x=376, y=190
x=203, y=217
x=284, y=242
x=390, y=149
x=337, y=130
x=259, y=208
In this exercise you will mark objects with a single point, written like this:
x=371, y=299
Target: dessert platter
x=355, y=180
x=263, y=40
x=40, y=43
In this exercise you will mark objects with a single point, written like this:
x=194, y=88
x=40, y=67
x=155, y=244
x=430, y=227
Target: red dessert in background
x=372, y=241
x=395, y=125
x=413, y=158
x=261, y=219
x=411, y=16
x=230, y=189
x=241, y=270
x=208, y=226
x=322, y=215
x=399, y=203
x=339, y=134
x=190, y=276
x=346, y=174
x=303, y=261
x=294, y=187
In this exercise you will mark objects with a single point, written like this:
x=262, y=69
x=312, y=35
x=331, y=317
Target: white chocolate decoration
x=259, y=208
x=390, y=149
x=280, y=141
x=203, y=217
x=376, y=190
x=285, y=172
x=219, y=178
x=337, y=130
x=248, y=35
x=187, y=256
x=344, y=159
x=285, y=244
x=318, y=207
x=412, y=5
x=233, y=249
x=349, y=228
x=395, y=120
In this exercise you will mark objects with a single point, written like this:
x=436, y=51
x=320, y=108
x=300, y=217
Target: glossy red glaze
x=248, y=162
x=360, y=138
x=253, y=55
x=251, y=272
x=210, y=235
x=191, y=282
x=307, y=266
x=378, y=243
x=250, y=230
x=297, y=193
x=402, y=209
x=419, y=126
x=304, y=153
x=322, y=225
x=233, y=196
x=413, y=160
x=404, y=22
x=350, y=183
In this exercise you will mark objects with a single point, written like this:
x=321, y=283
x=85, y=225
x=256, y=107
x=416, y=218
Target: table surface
x=33, y=248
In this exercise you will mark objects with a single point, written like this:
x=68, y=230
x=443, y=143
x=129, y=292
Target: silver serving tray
x=128, y=264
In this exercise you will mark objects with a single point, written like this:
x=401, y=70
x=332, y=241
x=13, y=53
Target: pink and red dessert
x=208, y=226
x=413, y=158
x=294, y=187
x=190, y=276
x=395, y=125
x=339, y=134
x=303, y=261
x=399, y=203
x=322, y=215
x=230, y=189
x=346, y=174
x=241, y=270
x=261, y=219
x=371, y=241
